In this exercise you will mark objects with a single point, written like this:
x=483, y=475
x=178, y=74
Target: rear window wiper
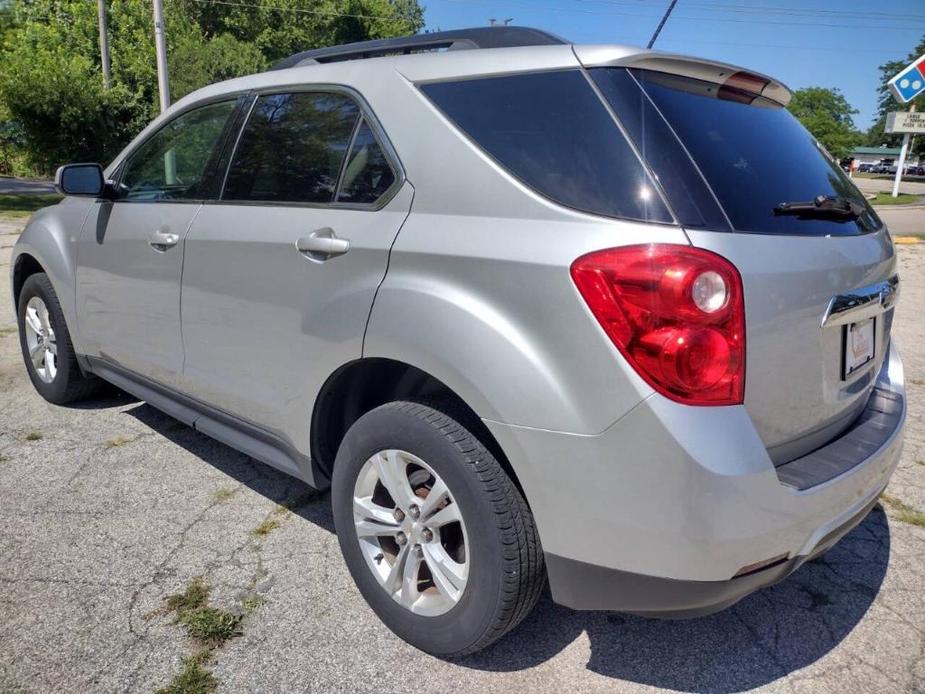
x=822, y=207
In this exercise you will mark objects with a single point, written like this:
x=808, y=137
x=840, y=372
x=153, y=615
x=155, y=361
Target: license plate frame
x=859, y=346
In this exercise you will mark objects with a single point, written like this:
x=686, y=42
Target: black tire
x=506, y=569
x=69, y=383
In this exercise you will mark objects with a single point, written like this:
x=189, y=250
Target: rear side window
x=552, y=132
x=367, y=174
x=754, y=155
x=292, y=148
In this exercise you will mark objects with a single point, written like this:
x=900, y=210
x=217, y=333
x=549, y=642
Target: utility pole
x=160, y=46
x=658, y=29
x=104, y=42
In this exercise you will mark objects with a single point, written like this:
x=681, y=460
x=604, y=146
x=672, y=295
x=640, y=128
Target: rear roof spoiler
x=706, y=70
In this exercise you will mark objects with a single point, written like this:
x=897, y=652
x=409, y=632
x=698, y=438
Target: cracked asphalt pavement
x=109, y=507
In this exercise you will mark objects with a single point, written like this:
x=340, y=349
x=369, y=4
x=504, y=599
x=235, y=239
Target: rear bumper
x=584, y=586
x=661, y=513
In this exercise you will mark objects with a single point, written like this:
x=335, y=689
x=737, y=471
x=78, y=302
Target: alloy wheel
x=411, y=532
x=40, y=340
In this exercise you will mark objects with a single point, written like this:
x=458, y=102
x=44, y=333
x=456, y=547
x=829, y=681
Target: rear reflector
x=677, y=315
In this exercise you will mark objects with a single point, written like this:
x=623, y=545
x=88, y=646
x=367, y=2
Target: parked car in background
x=866, y=168
x=511, y=303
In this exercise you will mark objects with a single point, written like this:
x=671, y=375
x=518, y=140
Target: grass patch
x=194, y=597
x=884, y=198
x=193, y=678
x=208, y=625
x=904, y=512
x=265, y=528
x=19, y=206
x=118, y=441
x=6, y=458
x=212, y=626
x=8, y=331
x=35, y=436
x=224, y=493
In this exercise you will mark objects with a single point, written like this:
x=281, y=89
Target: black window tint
x=292, y=148
x=553, y=132
x=171, y=163
x=687, y=193
x=755, y=155
x=367, y=174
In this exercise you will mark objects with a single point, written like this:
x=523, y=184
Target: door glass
x=367, y=174
x=171, y=163
x=292, y=148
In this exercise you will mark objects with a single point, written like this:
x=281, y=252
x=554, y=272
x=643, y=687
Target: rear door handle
x=322, y=244
x=163, y=240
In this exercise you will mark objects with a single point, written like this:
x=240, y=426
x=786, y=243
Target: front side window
x=292, y=148
x=170, y=165
x=552, y=132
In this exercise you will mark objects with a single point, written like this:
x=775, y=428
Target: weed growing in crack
x=35, y=436
x=193, y=678
x=212, y=626
x=904, y=512
x=118, y=441
x=224, y=493
x=265, y=528
x=8, y=331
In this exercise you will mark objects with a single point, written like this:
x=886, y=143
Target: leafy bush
x=54, y=108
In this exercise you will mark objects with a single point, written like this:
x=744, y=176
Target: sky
x=803, y=43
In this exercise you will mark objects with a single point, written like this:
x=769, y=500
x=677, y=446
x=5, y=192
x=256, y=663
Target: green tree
x=53, y=107
x=828, y=116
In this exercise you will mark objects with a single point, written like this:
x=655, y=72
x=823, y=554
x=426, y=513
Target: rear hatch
x=818, y=276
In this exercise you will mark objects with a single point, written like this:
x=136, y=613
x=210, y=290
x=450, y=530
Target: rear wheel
x=437, y=537
x=46, y=345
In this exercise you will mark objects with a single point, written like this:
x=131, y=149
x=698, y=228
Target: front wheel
x=46, y=345
x=437, y=537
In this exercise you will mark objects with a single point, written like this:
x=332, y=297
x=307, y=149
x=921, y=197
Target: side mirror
x=80, y=179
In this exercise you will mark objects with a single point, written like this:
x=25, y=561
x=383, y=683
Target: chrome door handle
x=163, y=240
x=322, y=244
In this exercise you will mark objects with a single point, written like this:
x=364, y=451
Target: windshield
x=751, y=151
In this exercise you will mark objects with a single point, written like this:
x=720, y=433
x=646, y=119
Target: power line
x=572, y=10
x=765, y=9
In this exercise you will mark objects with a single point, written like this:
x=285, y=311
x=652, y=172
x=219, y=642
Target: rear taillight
x=676, y=313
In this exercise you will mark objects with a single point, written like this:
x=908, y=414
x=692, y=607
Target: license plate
x=859, y=346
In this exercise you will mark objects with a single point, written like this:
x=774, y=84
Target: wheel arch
x=363, y=384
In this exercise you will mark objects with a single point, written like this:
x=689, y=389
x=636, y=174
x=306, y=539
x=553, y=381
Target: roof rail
x=458, y=39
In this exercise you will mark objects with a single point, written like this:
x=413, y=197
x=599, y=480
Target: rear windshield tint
x=552, y=132
x=754, y=155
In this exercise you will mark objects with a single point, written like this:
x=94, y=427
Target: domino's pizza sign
x=909, y=83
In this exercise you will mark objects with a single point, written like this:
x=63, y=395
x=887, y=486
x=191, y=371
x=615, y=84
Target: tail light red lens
x=676, y=313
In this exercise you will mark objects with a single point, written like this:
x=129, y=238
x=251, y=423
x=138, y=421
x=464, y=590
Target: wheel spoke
x=434, y=497
x=391, y=469
x=409, y=581
x=364, y=508
x=448, y=514
x=37, y=354
x=43, y=317
x=393, y=582
x=449, y=576
x=52, y=347
x=32, y=320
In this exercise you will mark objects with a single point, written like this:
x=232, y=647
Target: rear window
x=552, y=132
x=752, y=152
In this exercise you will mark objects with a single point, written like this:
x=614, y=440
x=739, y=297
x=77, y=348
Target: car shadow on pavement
x=763, y=638
x=303, y=500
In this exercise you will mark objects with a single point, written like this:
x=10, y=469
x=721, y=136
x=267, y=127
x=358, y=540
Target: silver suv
x=592, y=317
